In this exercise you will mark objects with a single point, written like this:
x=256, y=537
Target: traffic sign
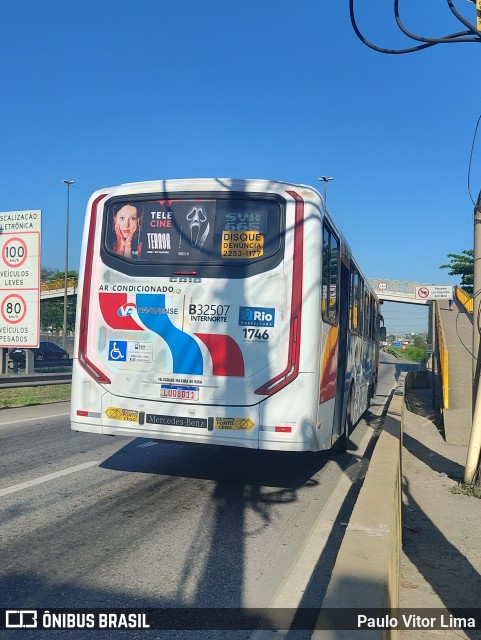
x=13, y=308
x=423, y=292
x=20, y=278
x=434, y=292
x=382, y=286
x=14, y=252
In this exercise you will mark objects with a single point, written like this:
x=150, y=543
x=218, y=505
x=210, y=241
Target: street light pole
x=325, y=180
x=68, y=183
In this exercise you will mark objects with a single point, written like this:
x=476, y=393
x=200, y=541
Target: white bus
x=221, y=311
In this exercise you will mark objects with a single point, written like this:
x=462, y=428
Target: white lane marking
x=51, y=476
x=39, y=417
x=291, y=590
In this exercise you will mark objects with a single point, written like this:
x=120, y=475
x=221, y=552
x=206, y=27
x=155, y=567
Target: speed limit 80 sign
x=20, y=278
x=14, y=308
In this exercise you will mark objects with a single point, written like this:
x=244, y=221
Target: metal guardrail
x=466, y=299
x=443, y=356
x=12, y=381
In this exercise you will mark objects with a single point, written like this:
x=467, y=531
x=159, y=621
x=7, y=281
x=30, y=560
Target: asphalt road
x=98, y=522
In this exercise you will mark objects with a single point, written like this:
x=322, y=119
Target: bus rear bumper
x=185, y=438
x=264, y=441
x=276, y=424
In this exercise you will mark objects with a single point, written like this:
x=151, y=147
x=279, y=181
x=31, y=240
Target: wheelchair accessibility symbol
x=118, y=350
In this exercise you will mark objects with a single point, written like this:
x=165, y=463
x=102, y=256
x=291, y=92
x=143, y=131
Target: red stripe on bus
x=110, y=303
x=226, y=355
x=291, y=371
x=83, y=359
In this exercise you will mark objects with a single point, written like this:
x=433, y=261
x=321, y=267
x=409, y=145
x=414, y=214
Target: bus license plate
x=177, y=392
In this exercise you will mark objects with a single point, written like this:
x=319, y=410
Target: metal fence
x=443, y=357
x=54, y=285
x=466, y=299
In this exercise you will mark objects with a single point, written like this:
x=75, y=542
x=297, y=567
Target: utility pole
x=473, y=34
x=474, y=448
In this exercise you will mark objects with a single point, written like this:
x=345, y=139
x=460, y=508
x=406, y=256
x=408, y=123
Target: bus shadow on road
x=270, y=468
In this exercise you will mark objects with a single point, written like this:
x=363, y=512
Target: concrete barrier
x=418, y=379
x=367, y=569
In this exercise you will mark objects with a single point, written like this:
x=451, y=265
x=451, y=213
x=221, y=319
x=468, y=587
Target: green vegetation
x=51, y=314
x=414, y=354
x=467, y=489
x=22, y=396
x=462, y=265
x=419, y=342
x=51, y=311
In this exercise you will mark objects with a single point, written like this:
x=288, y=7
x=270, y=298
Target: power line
x=471, y=34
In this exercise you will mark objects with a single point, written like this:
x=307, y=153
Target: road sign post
x=19, y=279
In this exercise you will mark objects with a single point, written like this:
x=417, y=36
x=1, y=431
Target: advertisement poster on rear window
x=162, y=230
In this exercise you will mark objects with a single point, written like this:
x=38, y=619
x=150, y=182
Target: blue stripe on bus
x=186, y=353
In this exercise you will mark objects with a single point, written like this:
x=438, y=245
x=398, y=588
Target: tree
x=47, y=274
x=462, y=265
x=60, y=275
x=51, y=311
x=419, y=342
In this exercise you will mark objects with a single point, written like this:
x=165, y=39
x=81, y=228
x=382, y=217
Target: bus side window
x=361, y=309
x=354, y=301
x=330, y=276
x=367, y=315
x=373, y=319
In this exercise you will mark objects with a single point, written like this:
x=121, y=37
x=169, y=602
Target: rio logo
x=256, y=316
x=126, y=309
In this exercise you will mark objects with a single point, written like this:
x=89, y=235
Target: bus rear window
x=193, y=231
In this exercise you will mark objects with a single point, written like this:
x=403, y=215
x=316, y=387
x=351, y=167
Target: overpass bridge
x=56, y=289
x=451, y=335
x=410, y=292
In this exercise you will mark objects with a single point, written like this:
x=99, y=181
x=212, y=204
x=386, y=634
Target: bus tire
x=343, y=442
x=372, y=388
x=371, y=392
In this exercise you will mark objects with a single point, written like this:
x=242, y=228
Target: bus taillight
x=83, y=359
x=283, y=429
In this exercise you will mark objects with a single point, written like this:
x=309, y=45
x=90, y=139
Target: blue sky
x=107, y=92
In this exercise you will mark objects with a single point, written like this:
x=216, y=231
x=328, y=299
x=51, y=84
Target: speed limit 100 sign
x=20, y=278
x=15, y=252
